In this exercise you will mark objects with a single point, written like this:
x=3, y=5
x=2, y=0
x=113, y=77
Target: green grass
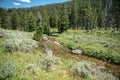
x=34, y=65
x=61, y=71
x=17, y=40
x=13, y=65
x=22, y=60
x=88, y=70
x=100, y=44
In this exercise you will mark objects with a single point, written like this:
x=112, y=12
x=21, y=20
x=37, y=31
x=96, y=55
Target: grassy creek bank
x=65, y=53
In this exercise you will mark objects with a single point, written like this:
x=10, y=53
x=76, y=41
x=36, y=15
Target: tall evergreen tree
x=45, y=22
x=15, y=21
x=31, y=23
x=39, y=28
x=116, y=14
x=6, y=22
x=74, y=15
x=63, y=20
x=54, y=19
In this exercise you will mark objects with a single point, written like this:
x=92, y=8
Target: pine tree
x=31, y=23
x=45, y=22
x=39, y=31
x=25, y=23
x=46, y=29
x=74, y=15
x=54, y=19
x=39, y=28
x=63, y=20
x=15, y=21
x=6, y=22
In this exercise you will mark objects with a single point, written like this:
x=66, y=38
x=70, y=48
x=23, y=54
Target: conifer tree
x=39, y=28
x=45, y=22
x=6, y=22
x=15, y=21
x=31, y=23
x=74, y=15
x=54, y=19
x=63, y=20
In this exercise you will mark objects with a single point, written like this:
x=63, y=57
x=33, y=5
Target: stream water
x=65, y=53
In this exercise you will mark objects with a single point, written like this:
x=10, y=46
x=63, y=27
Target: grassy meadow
x=21, y=58
x=102, y=44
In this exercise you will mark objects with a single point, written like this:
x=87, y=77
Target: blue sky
x=26, y=3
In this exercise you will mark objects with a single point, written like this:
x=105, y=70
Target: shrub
x=7, y=70
x=47, y=62
x=87, y=70
x=102, y=46
x=38, y=33
x=15, y=34
x=67, y=43
x=22, y=44
x=18, y=41
x=102, y=53
x=83, y=69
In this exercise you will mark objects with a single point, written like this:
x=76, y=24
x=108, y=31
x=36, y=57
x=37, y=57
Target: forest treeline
x=74, y=14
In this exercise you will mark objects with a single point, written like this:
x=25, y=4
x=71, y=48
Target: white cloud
x=27, y=1
x=16, y=3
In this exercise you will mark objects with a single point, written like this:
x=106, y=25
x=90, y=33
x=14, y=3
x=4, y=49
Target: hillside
x=77, y=14
x=28, y=60
x=74, y=40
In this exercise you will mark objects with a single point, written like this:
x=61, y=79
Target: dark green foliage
x=31, y=23
x=39, y=28
x=7, y=70
x=75, y=14
x=63, y=20
x=15, y=21
x=46, y=29
x=45, y=23
x=54, y=19
x=116, y=14
x=6, y=22
x=38, y=33
x=102, y=54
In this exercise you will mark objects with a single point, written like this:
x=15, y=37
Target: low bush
x=68, y=43
x=15, y=34
x=23, y=44
x=47, y=62
x=18, y=41
x=7, y=70
x=102, y=53
x=83, y=69
x=102, y=46
x=88, y=71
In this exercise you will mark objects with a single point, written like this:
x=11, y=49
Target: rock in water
x=57, y=43
x=48, y=51
x=44, y=38
x=77, y=52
